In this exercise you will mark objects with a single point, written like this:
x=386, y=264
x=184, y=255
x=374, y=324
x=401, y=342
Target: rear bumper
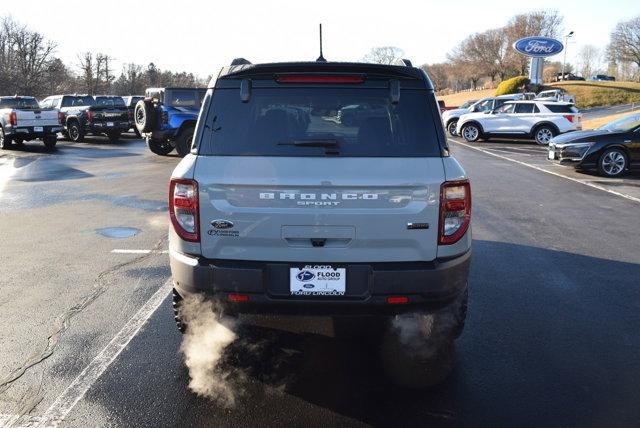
x=162, y=135
x=29, y=132
x=427, y=285
x=103, y=127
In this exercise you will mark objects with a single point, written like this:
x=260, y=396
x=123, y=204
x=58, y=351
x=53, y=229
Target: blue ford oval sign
x=538, y=46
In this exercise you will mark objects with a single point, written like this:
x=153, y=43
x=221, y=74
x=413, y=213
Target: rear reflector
x=238, y=297
x=397, y=300
x=314, y=78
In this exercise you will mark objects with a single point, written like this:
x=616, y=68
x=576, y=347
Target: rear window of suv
x=313, y=121
x=561, y=108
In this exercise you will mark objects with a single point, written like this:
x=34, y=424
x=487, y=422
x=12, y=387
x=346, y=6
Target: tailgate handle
x=318, y=242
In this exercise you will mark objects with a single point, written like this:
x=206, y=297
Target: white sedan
x=537, y=120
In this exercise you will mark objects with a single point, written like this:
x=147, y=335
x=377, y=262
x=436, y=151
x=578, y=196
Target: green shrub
x=512, y=86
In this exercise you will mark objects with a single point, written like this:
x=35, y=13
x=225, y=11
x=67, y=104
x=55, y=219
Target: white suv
x=537, y=120
x=450, y=117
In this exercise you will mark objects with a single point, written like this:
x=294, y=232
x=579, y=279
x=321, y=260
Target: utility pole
x=566, y=45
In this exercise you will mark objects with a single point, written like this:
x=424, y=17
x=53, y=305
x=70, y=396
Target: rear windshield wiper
x=311, y=143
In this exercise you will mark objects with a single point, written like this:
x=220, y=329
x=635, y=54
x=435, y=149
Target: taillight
x=314, y=78
x=60, y=118
x=165, y=117
x=13, y=118
x=455, y=211
x=183, y=208
x=569, y=117
x=89, y=115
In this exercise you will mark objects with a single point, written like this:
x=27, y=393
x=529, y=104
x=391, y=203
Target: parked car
x=167, y=118
x=22, y=119
x=602, y=78
x=264, y=213
x=567, y=76
x=611, y=150
x=558, y=94
x=450, y=117
x=353, y=115
x=467, y=104
x=130, y=102
x=84, y=114
x=537, y=120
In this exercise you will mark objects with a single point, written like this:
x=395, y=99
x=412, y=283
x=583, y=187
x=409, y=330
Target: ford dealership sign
x=538, y=46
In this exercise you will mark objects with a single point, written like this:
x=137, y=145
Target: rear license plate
x=38, y=129
x=109, y=123
x=317, y=280
x=552, y=155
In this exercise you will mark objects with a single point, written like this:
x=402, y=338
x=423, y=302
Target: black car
x=612, y=149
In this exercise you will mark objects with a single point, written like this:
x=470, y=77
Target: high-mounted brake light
x=314, y=78
x=183, y=208
x=13, y=118
x=455, y=211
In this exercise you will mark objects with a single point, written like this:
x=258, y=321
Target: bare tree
x=384, y=55
x=86, y=65
x=439, y=74
x=588, y=60
x=624, y=46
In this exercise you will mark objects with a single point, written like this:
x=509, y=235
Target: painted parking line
x=19, y=420
x=127, y=251
x=577, y=180
x=78, y=388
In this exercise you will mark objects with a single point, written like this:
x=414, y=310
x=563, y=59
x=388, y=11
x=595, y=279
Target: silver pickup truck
x=22, y=119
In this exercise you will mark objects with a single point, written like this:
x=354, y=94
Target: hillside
x=588, y=94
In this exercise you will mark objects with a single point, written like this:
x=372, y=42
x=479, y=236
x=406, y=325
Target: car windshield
x=20, y=103
x=625, y=124
x=109, y=102
x=76, y=101
x=468, y=104
x=321, y=121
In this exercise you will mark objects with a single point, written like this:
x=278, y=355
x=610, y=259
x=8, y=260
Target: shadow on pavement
x=551, y=339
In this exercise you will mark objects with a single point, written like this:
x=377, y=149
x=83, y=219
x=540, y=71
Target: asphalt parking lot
x=88, y=332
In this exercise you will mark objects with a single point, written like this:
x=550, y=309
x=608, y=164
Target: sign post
x=538, y=48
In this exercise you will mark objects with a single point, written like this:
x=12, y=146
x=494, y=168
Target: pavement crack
x=61, y=323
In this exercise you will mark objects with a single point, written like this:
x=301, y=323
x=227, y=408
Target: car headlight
x=576, y=150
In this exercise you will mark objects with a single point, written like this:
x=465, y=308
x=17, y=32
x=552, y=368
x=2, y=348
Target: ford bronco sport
x=282, y=208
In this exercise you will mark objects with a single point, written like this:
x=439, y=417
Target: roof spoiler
x=240, y=61
x=403, y=62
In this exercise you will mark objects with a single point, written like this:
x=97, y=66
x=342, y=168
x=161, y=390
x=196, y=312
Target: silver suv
x=283, y=208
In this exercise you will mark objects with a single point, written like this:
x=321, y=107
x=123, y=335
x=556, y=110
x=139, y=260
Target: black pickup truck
x=84, y=114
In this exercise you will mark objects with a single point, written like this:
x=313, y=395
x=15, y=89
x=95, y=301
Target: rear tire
x=543, y=134
x=451, y=127
x=470, y=132
x=76, y=134
x=114, y=136
x=50, y=142
x=5, y=142
x=183, y=141
x=161, y=148
x=145, y=116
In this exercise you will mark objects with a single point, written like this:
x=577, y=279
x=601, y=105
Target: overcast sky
x=201, y=36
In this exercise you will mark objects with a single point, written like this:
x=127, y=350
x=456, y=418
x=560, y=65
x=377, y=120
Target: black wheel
x=76, y=134
x=114, y=136
x=177, y=301
x=183, y=141
x=162, y=148
x=613, y=163
x=470, y=132
x=543, y=134
x=418, y=350
x=451, y=127
x=144, y=116
x=50, y=142
x=5, y=142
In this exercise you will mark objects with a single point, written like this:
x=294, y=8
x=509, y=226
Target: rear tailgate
x=110, y=114
x=28, y=117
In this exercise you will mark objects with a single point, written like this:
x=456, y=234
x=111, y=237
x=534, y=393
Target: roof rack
x=403, y=62
x=240, y=61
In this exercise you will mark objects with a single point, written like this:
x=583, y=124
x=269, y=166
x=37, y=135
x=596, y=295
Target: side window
x=484, y=105
x=506, y=108
x=524, y=108
x=67, y=101
x=499, y=103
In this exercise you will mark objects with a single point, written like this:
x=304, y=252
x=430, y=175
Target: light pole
x=566, y=45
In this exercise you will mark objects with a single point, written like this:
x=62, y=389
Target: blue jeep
x=167, y=118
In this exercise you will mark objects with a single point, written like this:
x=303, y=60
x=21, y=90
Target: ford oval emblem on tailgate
x=222, y=224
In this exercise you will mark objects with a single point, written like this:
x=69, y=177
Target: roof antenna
x=321, y=58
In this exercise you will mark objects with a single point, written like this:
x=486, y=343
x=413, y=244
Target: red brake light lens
x=90, y=116
x=315, y=78
x=455, y=211
x=238, y=297
x=397, y=300
x=60, y=117
x=569, y=117
x=13, y=118
x=183, y=208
